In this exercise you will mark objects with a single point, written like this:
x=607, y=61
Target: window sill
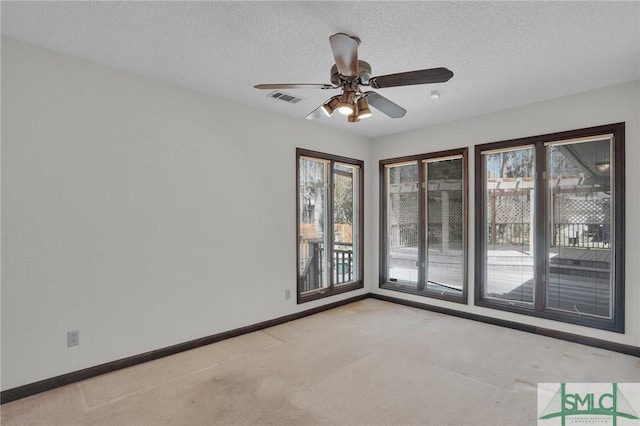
x=585, y=320
x=410, y=289
x=320, y=294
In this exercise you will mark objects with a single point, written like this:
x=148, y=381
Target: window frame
x=332, y=288
x=420, y=289
x=539, y=306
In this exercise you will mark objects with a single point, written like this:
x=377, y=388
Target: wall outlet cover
x=73, y=338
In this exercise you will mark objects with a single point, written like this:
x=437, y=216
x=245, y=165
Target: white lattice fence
x=509, y=216
x=572, y=210
x=455, y=211
x=403, y=219
x=510, y=209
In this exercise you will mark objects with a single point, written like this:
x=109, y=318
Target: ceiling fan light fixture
x=363, y=108
x=346, y=103
x=345, y=109
x=330, y=106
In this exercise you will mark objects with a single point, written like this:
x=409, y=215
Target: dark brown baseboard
x=570, y=337
x=76, y=376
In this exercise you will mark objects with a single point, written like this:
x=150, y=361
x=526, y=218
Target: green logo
x=583, y=401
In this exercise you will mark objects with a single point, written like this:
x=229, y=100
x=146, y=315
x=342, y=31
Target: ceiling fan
x=350, y=74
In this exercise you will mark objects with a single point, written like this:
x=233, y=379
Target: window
x=330, y=224
x=424, y=220
x=550, y=215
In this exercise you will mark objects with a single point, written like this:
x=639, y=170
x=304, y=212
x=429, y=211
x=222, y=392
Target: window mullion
x=383, y=246
x=422, y=226
x=540, y=234
x=330, y=261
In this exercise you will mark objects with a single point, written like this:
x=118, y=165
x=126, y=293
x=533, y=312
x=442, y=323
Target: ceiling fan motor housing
x=364, y=74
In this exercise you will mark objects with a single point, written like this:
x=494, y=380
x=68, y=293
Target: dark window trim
x=383, y=282
x=343, y=288
x=616, y=323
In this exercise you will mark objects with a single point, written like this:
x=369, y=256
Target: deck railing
x=403, y=235
x=311, y=277
x=583, y=235
x=509, y=233
x=313, y=270
x=579, y=235
x=343, y=263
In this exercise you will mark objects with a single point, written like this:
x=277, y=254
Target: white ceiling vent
x=284, y=97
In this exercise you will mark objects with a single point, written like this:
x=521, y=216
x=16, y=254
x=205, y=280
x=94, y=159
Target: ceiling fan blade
x=433, y=75
x=316, y=113
x=345, y=51
x=326, y=109
x=294, y=86
x=383, y=104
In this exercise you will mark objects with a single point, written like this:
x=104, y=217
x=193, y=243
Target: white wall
x=140, y=213
x=146, y=215
x=610, y=105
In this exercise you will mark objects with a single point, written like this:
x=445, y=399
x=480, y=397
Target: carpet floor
x=366, y=363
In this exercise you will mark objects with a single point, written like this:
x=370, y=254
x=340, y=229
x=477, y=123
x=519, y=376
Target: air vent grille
x=284, y=97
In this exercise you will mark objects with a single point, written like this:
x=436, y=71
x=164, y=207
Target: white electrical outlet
x=287, y=294
x=73, y=338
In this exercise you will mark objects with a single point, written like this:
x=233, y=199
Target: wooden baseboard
x=76, y=376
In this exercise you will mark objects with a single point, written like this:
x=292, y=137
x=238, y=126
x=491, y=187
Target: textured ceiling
x=503, y=54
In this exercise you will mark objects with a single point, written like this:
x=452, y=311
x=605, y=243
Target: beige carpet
x=369, y=362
